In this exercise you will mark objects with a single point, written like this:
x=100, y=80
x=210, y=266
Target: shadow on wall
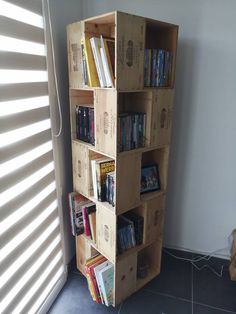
x=182, y=132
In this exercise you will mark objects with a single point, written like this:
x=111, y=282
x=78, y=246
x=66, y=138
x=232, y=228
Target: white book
x=106, y=279
x=94, y=179
x=96, y=45
x=106, y=68
x=97, y=269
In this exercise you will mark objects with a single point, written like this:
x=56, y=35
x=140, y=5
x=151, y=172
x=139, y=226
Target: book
x=75, y=202
x=96, y=270
x=90, y=276
x=92, y=224
x=84, y=64
x=96, y=45
x=107, y=64
x=94, y=174
x=86, y=208
x=102, y=168
x=93, y=80
x=85, y=124
x=106, y=280
x=138, y=222
x=125, y=234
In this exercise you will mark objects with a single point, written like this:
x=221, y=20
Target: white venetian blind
x=31, y=245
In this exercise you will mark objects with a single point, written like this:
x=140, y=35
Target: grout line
x=215, y=308
x=167, y=295
x=119, y=311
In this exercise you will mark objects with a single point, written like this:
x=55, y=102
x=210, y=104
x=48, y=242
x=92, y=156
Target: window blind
x=32, y=268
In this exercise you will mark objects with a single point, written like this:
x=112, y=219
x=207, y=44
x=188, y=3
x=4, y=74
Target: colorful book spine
x=86, y=222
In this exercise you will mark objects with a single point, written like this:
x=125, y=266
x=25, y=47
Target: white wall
x=201, y=203
x=62, y=14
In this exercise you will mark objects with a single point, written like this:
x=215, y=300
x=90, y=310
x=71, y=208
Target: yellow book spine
x=92, y=71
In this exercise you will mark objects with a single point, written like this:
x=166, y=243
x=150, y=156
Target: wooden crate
x=161, y=119
x=106, y=231
x=106, y=121
x=153, y=213
x=84, y=250
x=82, y=98
x=125, y=277
x=158, y=156
x=130, y=34
x=128, y=166
x=161, y=35
x=133, y=34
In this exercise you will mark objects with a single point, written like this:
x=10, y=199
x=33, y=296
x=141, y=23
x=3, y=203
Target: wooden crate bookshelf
x=132, y=35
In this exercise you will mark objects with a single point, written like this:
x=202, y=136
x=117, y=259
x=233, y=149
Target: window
x=32, y=267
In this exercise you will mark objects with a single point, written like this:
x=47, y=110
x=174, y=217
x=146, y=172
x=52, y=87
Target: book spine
x=97, y=58
x=72, y=218
x=107, y=188
x=90, y=284
x=84, y=65
x=154, y=60
x=94, y=179
x=92, y=71
x=146, y=67
x=79, y=122
x=95, y=286
x=86, y=223
x=170, y=68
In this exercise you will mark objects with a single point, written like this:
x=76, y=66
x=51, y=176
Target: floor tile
x=145, y=302
x=175, y=277
x=75, y=298
x=201, y=309
x=212, y=290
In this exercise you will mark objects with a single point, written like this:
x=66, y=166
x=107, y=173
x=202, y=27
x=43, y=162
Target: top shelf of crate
x=133, y=35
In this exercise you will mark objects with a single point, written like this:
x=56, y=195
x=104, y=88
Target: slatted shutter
x=32, y=268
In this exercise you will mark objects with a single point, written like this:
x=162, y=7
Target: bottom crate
x=148, y=263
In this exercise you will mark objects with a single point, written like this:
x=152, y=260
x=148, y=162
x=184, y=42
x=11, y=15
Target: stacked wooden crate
x=132, y=34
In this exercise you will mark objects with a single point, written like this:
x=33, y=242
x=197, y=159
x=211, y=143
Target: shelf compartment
x=84, y=250
x=158, y=156
x=150, y=259
x=125, y=277
x=137, y=102
x=160, y=35
x=79, y=97
x=128, y=182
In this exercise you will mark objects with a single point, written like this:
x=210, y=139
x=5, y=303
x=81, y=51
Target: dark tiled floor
x=179, y=289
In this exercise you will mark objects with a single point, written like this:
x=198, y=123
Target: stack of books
x=85, y=124
x=131, y=130
x=103, y=178
x=100, y=278
x=82, y=215
x=129, y=232
x=98, y=61
x=157, y=67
